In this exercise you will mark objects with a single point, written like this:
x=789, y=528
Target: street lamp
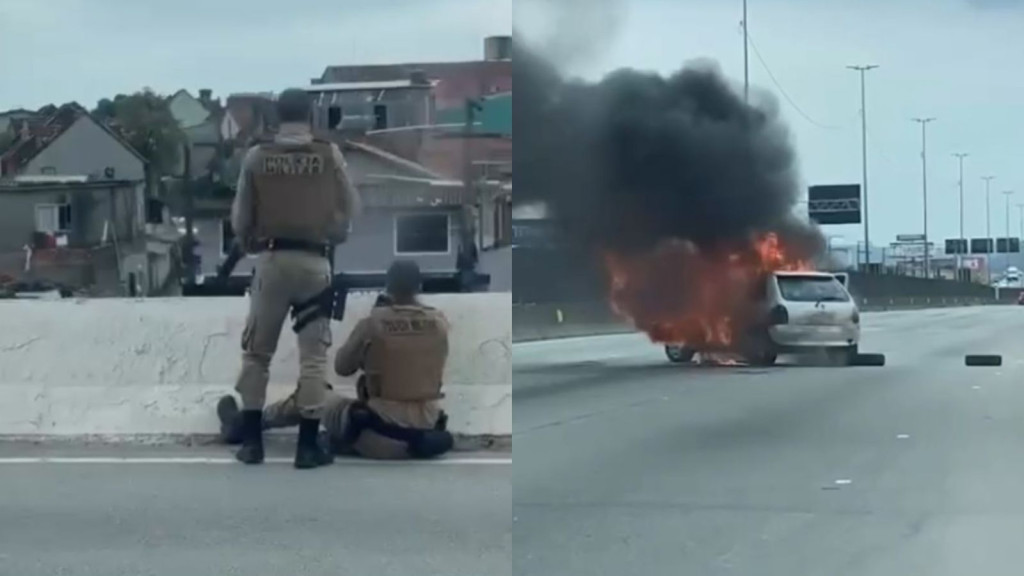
x=988, y=222
x=1020, y=207
x=924, y=186
x=864, y=154
x=1007, y=193
x=746, y=57
x=960, y=157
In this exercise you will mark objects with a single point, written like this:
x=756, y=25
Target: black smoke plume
x=637, y=158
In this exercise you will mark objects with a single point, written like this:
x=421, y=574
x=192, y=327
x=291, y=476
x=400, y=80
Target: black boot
x=251, y=451
x=309, y=454
x=230, y=421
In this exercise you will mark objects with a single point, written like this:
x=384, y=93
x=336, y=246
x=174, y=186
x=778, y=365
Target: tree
x=144, y=119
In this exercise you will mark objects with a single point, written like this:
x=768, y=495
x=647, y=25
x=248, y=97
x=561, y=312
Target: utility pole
x=467, y=261
x=960, y=257
x=864, y=155
x=746, y=57
x=190, y=241
x=988, y=224
x=924, y=187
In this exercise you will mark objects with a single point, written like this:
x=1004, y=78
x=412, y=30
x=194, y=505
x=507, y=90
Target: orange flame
x=680, y=295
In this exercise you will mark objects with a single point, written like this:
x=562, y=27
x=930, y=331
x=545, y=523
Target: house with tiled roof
x=70, y=141
x=71, y=184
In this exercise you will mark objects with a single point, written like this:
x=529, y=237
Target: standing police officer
x=294, y=204
x=402, y=348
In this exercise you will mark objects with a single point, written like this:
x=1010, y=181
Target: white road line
x=186, y=460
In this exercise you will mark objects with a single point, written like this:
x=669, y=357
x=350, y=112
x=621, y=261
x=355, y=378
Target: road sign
x=834, y=204
x=1007, y=245
x=908, y=250
x=982, y=246
x=910, y=238
x=956, y=246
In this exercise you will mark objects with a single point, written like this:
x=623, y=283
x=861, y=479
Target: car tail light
x=778, y=315
x=856, y=316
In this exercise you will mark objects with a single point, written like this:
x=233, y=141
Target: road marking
x=187, y=460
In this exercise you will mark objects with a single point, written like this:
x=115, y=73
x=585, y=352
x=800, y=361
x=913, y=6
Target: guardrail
x=545, y=321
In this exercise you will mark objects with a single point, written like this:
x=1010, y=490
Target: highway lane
x=165, y=511
x=630, y=465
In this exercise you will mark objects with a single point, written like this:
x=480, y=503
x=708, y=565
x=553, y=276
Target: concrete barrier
x=568, y=320
x=155, y=368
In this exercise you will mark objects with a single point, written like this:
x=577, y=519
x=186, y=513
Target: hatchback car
x=797, y=312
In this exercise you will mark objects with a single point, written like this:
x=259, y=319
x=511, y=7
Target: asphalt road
x=172, y=515
x=630, y=465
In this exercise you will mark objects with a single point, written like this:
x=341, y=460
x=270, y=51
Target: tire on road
x=679, y=354
x=876, y=360
x=991, y=360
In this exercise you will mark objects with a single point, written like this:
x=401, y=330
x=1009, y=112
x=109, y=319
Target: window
x=53, y=218
x=812, y=289
x=333, y=117
x=227, y=236
x=380, y=117
x=422, y=234
x=48, y=171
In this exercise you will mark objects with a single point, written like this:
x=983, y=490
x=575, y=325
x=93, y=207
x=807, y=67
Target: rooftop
x=361, y=86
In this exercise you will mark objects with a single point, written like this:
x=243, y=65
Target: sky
x=956, y=60
x=959, y=61
x=84, y=50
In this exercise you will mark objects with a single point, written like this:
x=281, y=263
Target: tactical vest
x=295, y=191
x=407, y=353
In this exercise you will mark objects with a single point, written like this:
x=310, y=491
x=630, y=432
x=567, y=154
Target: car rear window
x=812, y=289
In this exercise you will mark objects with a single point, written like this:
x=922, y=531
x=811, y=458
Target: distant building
x=83, y=233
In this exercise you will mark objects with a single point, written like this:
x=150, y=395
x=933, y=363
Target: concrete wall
x=157, y=367
x=498, y=263
x=87, y=149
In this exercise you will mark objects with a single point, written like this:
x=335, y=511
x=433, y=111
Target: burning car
x=794, y=312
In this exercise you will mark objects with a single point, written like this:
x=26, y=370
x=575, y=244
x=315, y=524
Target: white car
x=799, y=312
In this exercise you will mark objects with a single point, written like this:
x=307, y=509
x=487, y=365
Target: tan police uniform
x=293, y=190
x=402, y=351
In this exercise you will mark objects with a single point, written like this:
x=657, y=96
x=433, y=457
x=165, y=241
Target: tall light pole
x=1007, y=193
x=988, y=222
x=960, y=257
x=864, y=155
x=924, y=187
x=746, y=57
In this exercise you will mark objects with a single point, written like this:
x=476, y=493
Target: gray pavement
x=82, y=515
x=629, y=465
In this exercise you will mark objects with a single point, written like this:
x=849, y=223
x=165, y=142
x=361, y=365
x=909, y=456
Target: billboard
x=834, y=204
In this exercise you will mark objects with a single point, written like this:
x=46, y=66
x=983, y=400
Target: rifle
x=228, y=266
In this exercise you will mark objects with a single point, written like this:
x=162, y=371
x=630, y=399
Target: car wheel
x=764, y=358
x=679, y=354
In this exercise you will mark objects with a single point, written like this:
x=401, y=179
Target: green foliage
x=145, y=120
